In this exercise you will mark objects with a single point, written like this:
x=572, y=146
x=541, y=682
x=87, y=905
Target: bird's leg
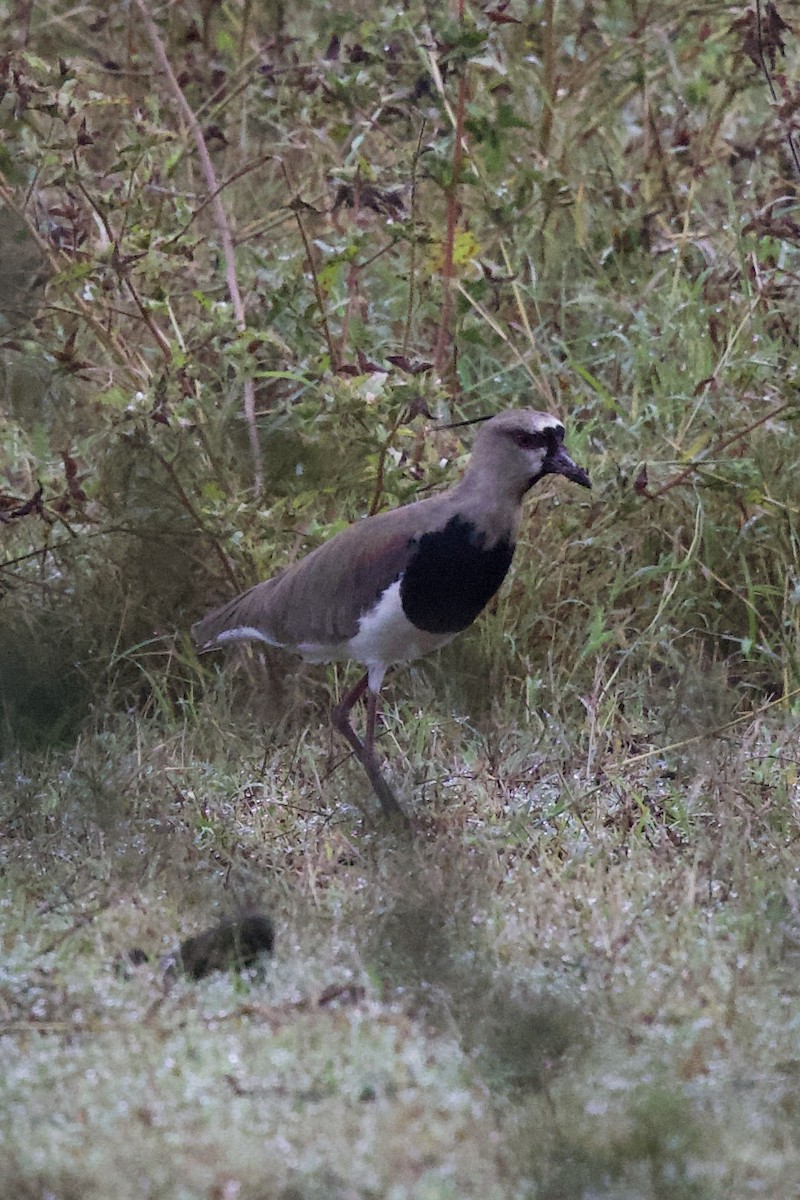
x=341, y=716
x=372, y=712
x=365, y=751
x=388, y=800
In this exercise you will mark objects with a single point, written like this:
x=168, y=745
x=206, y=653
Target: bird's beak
x=560, y=463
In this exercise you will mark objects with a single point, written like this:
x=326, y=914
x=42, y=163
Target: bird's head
x=521, y=446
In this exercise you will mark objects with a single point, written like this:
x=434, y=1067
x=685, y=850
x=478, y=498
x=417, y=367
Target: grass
x=563, y=989
x=578, y=979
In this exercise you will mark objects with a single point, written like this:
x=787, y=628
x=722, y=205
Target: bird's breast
x=386, y=635
x=452, y=576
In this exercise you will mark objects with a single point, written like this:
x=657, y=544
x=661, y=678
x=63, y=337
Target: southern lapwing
x=400, y=584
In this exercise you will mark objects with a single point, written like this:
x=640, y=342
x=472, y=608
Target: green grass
x=578, y=979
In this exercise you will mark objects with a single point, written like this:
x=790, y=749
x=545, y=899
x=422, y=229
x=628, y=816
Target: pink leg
x=341, y=716
x=372, y=712
x=365, y=751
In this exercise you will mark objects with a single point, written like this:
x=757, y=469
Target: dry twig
x=223, y=228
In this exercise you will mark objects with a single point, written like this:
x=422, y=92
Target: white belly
x=385, y=636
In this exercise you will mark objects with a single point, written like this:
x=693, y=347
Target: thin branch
x=548, y=21
x=352, y=277
x=230, y=574
x=223, y=229
x=699, y=737
x=660, y=156
x=334, y=357
x=380, y=473
x=448, y=265
x=119, y=266
x=412, y=259
x=770, y=84
x=242, y=171
x=720, y=445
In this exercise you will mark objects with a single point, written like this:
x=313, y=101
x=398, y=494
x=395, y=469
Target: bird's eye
x=530, y=441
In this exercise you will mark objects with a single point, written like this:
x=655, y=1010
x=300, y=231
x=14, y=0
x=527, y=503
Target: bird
x=400, y=584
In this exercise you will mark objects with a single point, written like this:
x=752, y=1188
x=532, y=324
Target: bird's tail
x=238, y=620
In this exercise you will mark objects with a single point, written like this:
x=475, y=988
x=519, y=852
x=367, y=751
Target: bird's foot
x=389, y=803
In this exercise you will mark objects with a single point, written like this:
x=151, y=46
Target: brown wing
x=321, y=598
